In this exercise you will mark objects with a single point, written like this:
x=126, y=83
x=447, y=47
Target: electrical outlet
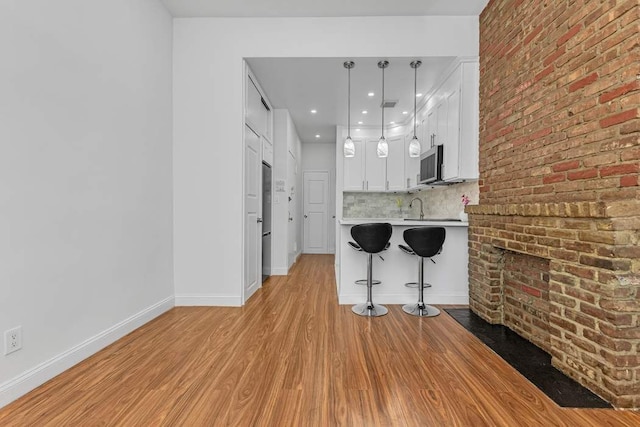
x=12, y=340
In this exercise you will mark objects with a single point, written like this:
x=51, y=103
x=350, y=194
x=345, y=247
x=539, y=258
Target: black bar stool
x=356, y=247
x=425, y=242
x=407, y=250
x=372, y=239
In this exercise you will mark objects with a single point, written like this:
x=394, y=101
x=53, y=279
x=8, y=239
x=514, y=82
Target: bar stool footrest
x=364, y=282
x=415, y=285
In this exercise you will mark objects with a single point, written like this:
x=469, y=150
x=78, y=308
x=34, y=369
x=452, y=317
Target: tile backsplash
x=439, y=202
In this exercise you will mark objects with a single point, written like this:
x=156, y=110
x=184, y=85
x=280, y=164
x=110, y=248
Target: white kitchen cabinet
x=257, y=113
x=267, y=151
x=368, y=172
x=460, y=145
x=395, y=175
x=353, y=168
x=412, y=164
x=436, y=124
x=375, y=168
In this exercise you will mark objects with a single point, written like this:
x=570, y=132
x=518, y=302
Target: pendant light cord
x=349, y=105
x=415, y=102
x=383, y=102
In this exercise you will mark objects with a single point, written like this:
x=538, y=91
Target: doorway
x=316, y=211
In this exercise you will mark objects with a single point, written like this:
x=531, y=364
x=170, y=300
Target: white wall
x=323, y=157
x=284, y=233
x=208, y=152
x=316, y=156
x=85, y=178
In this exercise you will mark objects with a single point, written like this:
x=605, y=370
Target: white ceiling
x=324, y=8
x=303, y=84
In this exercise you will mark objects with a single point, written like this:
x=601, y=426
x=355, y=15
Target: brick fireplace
x=554, y=243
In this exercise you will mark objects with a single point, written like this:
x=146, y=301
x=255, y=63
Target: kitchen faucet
x=411, y=205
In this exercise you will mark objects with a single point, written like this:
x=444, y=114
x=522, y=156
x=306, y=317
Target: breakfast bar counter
x=448, y=276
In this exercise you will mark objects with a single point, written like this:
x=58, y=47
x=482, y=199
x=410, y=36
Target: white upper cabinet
x=412, y=164
x=396, y=163
x=257, y=113
x=460, y=154
x=353, y=168
x=375, y=168
x=267, y=151
x=368, y=172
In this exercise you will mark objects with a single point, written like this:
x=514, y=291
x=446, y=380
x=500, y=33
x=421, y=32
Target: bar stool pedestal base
x=421, y=310
x=369, y=310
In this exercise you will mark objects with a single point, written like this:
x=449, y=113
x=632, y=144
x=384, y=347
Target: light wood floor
x=293, y=357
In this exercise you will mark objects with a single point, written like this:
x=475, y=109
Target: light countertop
x=412, y=223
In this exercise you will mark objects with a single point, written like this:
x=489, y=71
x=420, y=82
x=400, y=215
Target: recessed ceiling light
x=314, y=111
x=364, y=112
x=392, y=123
x=357, y=130
x=371, y=94
x=359, y=123
x=317, y=136
x=405, y=112
x=418, y=95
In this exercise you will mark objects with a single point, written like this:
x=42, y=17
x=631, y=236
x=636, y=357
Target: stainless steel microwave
x=431, y=165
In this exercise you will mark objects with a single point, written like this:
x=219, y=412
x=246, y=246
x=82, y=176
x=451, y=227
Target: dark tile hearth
x=533, y=363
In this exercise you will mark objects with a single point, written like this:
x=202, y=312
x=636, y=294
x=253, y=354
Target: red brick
x=622, y=90
x=550, y=179
x=533, y=34
x=623, y=169
x=583, y=82
x=572, y=32
x=561, y=167
x=544, y=73
x=619, y=118
x=555, y=55
x=583, y=174
x=629, y=181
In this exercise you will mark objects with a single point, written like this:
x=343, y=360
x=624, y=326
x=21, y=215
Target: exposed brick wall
x=559, y=101
x=525, y=282
x=593, y=250
x=559, y=167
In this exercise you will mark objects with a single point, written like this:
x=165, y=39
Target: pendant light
x=383, y=146
x=414, y=145
x=349, y=147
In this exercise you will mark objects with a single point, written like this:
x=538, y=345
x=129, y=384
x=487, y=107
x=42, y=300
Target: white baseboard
x=279, y=271
x=34, y=377
x=208, y=301
x=251, y=291
x=403, y=299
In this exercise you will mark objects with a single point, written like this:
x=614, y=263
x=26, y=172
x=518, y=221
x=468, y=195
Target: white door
x=252, y=203
x=316, y=209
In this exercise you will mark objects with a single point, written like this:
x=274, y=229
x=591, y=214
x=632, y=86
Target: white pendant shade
x=383, y=147
x=349, y=147
x=414, y=147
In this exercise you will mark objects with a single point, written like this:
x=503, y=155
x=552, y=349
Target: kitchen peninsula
x=448, y=276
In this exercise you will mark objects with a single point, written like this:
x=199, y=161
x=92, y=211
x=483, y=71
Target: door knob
x=305, y=216
x=259, y=220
